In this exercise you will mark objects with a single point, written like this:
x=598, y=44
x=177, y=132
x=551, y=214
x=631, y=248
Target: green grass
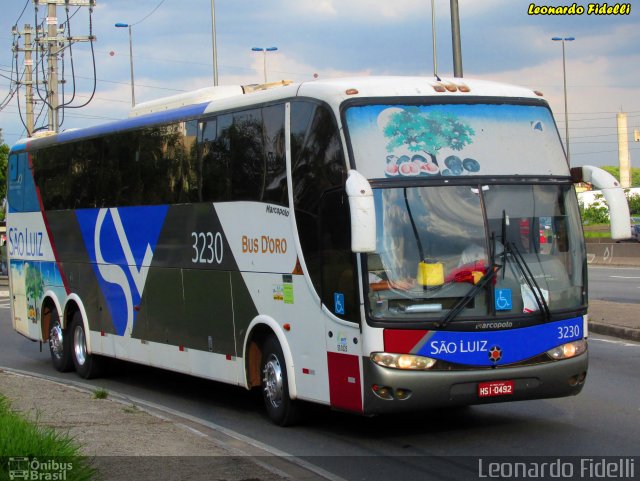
x=100, y=393
x=40, y=449
x=596, y=235
x=596, y=231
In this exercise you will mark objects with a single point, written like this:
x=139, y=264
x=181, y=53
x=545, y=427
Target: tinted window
x=155, y=165
x=243, y=156
x=216, y=181
x=275, y=186
x=318, y=166
x=339, y=288
x=248, y=160
x=239, y=156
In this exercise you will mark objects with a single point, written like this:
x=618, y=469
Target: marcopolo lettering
x=277, y=210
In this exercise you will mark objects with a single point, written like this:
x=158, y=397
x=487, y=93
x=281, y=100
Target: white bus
x=371, y=244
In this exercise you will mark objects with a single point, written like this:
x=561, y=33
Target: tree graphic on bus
x=422, y=135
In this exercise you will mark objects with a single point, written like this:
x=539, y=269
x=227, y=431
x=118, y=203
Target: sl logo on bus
x=120, y=244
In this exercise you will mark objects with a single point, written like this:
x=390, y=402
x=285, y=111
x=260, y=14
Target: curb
x=239, y=446
x=627, y=333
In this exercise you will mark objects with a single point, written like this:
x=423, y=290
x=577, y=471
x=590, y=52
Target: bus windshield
x=475, y=250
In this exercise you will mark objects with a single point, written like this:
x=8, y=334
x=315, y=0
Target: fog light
x=402, y=394
x=383, y=392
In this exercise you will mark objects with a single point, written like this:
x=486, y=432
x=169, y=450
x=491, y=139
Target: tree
x=596, y=213
x=634, y=203
x=615, y=171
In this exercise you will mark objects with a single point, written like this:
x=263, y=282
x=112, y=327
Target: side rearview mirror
x=363, y=213
x=613, y=194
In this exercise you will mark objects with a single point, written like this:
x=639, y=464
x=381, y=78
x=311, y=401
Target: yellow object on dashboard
x=430, y=274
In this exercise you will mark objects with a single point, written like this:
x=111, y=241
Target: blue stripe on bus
x=492, y=348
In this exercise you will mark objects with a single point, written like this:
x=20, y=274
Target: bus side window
x=216, y=157
x=13, y=168
x=275, y=190
x=247, y=156
x=16, y=193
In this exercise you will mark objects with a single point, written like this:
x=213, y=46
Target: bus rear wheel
x=275, y=388
x=87, y=365
x=59, y=345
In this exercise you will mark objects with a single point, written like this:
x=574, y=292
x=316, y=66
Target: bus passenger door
x=340, y=298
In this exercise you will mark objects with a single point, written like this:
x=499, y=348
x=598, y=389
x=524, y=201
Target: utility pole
x=52, y=64
x=53, y=42
x=28, y=78
x=623, y=151
x=28, y=73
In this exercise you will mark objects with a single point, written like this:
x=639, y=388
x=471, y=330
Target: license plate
x=495, y=388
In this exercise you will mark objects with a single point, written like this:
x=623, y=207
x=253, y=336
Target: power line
x=26, y=4
x=602, y=151
x=149, y=14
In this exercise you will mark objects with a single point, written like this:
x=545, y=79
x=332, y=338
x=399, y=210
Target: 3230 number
x=207, y=247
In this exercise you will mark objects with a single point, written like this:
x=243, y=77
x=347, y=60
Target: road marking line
x=613, y=341
x=624, y=277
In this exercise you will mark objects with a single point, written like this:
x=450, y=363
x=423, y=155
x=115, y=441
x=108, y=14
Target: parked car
x=635, y=232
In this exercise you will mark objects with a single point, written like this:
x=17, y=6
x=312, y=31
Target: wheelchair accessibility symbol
x=338, y=303
x=504, y=301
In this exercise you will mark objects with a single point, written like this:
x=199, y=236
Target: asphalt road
x=602, y=421
x=617, y=284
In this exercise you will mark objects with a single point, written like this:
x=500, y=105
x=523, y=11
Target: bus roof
x=412, y=87
x=333, y=91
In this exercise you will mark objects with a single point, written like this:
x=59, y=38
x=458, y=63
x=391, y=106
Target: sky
x=172, y=53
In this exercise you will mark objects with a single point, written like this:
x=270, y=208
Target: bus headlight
x=403, y=361
x=568, y=350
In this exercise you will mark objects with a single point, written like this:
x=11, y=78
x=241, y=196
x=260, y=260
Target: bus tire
x=275, y=389
x=88, y=366
x=59, y=344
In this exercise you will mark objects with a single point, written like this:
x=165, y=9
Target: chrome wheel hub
x=272, y=381
x=56, y=341
x=79, y=345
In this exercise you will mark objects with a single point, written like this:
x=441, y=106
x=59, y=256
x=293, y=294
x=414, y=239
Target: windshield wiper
x=529, y=279
x=492, y=271
x=462, y=303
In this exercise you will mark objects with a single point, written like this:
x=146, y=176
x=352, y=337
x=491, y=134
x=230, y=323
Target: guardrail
x=613, y=253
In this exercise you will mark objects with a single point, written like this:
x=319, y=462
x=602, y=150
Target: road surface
x=602, y=421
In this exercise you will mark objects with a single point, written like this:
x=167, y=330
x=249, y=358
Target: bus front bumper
x=393, y=390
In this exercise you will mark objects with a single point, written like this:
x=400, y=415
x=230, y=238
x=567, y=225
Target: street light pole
x=455, y=39
x=214, y=43
x=264, y=57
x=566, y=109
x=133, y=92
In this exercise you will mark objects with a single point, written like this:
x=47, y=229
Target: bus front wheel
x=275, y=389
x=87, y=365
